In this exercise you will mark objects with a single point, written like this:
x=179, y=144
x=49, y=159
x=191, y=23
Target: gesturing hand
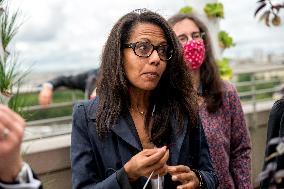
x=11, y=134
x=185, y=175
x=147, y=161
x=45, y=96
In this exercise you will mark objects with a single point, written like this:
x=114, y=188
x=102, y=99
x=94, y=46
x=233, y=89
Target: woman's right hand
x=147, y=161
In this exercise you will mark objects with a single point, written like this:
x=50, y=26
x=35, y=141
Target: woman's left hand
x=11, y=134
x=185, y=175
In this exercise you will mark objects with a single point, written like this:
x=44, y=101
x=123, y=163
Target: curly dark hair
x=209, y=73
x=173, y=97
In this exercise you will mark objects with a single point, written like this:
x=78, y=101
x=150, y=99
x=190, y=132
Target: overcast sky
x=60, y=33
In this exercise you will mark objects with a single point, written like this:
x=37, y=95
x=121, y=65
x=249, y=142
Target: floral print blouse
x=229, y=141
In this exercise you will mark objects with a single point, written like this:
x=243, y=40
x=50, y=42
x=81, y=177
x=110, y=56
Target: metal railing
x=56, y=105
x=51, y=126
x=261, y=84
x=264, y=84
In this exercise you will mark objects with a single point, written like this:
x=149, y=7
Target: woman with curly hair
x=143, y=125
x=220, y=109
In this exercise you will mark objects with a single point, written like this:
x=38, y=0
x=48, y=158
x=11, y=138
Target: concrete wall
x=49, y=157
x=258, y=139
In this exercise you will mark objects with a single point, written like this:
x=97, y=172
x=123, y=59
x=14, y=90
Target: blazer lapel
x=123, y=130
x=177, y=139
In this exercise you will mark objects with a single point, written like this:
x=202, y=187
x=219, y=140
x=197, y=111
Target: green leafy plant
x=225, y=70
x=186, y=10
x=225, y=41
x=214, y=10
x=11, y=76
x=9, y=27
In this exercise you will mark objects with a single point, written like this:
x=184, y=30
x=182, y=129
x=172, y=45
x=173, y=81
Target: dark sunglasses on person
x=145, y=49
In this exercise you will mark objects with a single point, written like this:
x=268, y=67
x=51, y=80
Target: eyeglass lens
x=145, y=49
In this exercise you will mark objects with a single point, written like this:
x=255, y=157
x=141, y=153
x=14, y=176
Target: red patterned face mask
x=194, y=53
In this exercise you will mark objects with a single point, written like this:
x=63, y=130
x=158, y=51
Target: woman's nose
x=154, y=58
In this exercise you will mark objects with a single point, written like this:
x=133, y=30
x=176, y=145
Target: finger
x=41, y=100
x=157, y=173
x=182, y=177
x=13, y=140
x=161, y=167
x=45, y=96
x=149, y=152
x=11, y=113
x=11, y=135
x=139, y=164
x=8, y=142
x=158, y=169
x=14, y=126
x=153, y=159
x=1, y=132
x=162, y=171
x=45, y=100
x=165, y=157
x=49, y=99
x=189, y=185
x=178, y=169
x=11, y=120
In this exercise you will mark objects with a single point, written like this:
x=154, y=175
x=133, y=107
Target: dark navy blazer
x=97, y=163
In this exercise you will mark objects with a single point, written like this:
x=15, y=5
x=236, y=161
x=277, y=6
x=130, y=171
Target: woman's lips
x=151, y=75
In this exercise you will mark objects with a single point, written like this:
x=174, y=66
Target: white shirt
x=157, y=183
x=30, y=183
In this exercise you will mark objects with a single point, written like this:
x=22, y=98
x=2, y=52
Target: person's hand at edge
x=46, y=95
x=11, y=135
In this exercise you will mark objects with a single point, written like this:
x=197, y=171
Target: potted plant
x=225, y=70
x=186, y=10
x=10, y=74
x=225, y=40
x=214, y=10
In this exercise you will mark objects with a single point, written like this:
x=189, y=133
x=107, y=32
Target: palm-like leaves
x=9, y=28
x=9, y=73
x=11, y=76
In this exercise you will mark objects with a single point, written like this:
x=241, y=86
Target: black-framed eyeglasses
x=145, y=49
x=194, y=36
